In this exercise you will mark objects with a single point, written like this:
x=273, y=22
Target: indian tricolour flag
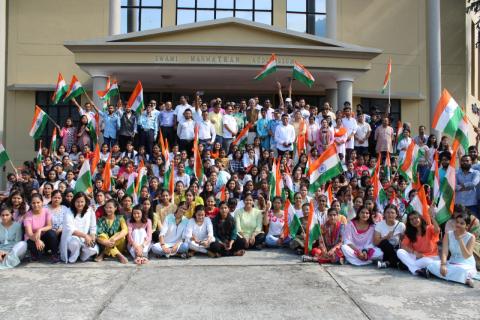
x=95, y=159
x=222, y=193
x=136, y=99
x=39, y=159
x=107, y=175
x=142, y=179
x=434, y=178
x=130, y=190
x=325, y=168
x=379, y=194
x=419, y=203
x=4, y=158
x=275, y=180
x=54, y=141
x=448, y=115
x=313, y=229
x=302, y=74
x=462, y=134
x=406, y=167
x=84, y=181
x=386, y=82
x=269, y=67
x=241, y=139
x=111, y=90
x=74, y=90
x=60, y=89
x=292, y=221
x=39, y=123
x=447, y=191
x=197, y=162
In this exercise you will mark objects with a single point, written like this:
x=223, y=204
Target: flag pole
x=14, y=169
x=389, y=84
x=50, y=118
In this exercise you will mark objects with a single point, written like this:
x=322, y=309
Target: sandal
x=138, y=260
x=144, y=260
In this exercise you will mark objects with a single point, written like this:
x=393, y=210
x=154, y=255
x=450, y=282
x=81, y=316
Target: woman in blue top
x=12, y=248
x=461, y=265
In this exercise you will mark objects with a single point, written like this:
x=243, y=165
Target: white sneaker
x=381, y=265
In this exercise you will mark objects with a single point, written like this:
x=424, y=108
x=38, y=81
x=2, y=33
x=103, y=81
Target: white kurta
x=75, y=245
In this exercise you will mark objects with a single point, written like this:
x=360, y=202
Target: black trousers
x=217, y=247
x=51, y=243
x=186, y=145
x=170, y=135
x=147, y=139
x=155, y=236
x=389, y=252
x=259, y=239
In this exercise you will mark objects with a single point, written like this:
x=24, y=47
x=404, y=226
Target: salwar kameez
x=363, y=241
x=331, y=237
x=106, y=229
x=459, y=269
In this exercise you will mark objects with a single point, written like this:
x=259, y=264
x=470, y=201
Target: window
x=308, y=16
x=189, y=11
x=59, y=113
x=140, y=15
x=370, y=104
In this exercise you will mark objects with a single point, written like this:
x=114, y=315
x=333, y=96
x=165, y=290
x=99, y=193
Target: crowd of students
x=231, y=209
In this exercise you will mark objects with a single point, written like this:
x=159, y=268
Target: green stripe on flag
x=325, y=177
x=453, y=123
x=294, y=226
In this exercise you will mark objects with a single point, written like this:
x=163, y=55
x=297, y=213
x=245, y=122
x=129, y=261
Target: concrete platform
x=266, y=284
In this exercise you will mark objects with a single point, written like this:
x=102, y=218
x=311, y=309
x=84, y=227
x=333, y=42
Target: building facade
x=177, y=47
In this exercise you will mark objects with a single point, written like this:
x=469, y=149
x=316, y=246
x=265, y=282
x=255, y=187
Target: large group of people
x=231, y=208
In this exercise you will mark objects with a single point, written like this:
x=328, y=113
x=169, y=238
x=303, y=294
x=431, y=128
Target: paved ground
x=260, y=285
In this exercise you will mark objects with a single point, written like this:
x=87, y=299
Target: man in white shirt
x=230, y=128
x=180, y=110
x=206, y=131
x=303, y=109
x=362, y=135
x=351, y=125
x=186, y=132
x=284, y=136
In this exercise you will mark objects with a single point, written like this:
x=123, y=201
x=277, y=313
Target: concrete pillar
x=169, y=13
x=3, y=58
x=280, y=13
x=99, y=83
x=331, y=7
x=114, y=18
x=332, y=98
x=345, y=91
x=434, y=55
x=132, y=16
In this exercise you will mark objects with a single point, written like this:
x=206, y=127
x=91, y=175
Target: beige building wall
x=36, y=32
x=398, y=28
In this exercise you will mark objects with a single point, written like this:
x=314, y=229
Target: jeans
x=271, y=241
x=226, y=144
x=109, y=141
